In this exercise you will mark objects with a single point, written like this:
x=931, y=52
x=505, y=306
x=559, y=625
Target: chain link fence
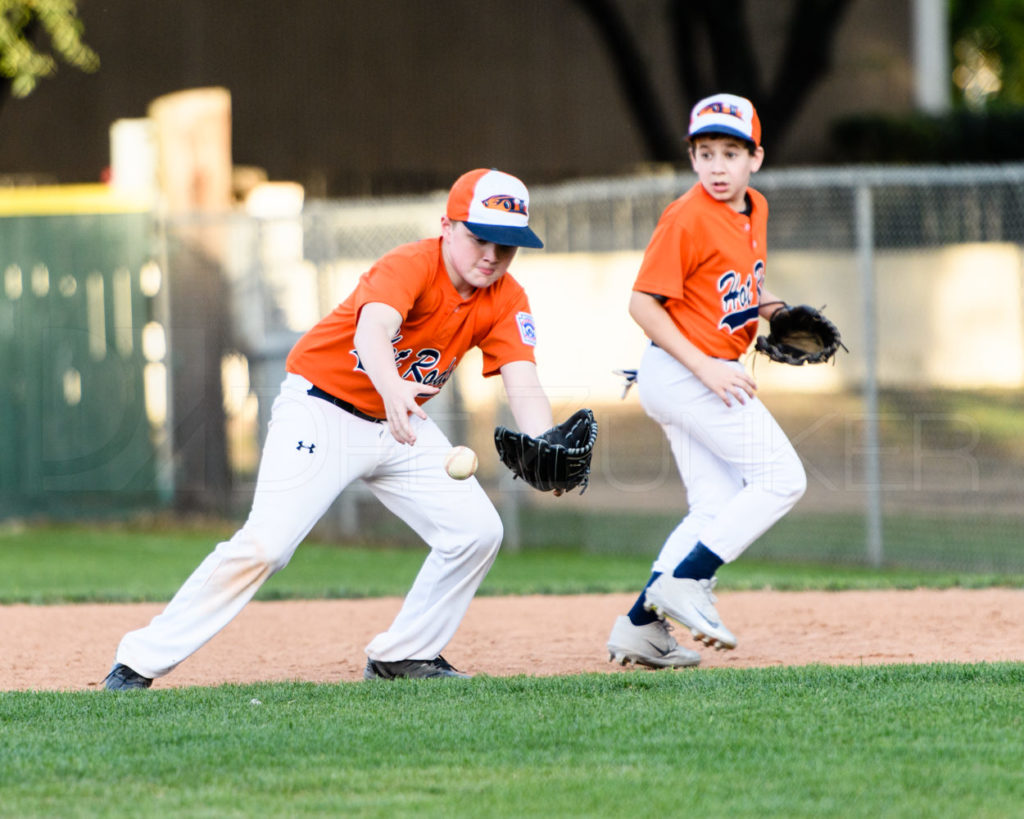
x=912, y=442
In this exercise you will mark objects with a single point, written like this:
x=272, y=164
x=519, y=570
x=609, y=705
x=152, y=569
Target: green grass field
x=54, y=564
x=936, y=740
x=854, y=742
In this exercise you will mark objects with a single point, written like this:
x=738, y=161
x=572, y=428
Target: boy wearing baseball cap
x=698, y=297
x=350, y=408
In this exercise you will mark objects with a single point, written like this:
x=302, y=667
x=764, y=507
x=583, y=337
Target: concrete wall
x=950, y=317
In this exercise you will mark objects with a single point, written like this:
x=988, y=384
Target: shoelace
x=442, y=663
x=669, y=628
x=708, y=586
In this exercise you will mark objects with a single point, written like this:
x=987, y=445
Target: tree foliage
x=23, y=62
x=725, y=26
x=988, y=53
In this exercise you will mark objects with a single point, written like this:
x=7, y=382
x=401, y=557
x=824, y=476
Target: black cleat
x=412, y=669
x=123, y=678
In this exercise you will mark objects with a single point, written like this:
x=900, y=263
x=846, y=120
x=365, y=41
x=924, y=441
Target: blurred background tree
x=986, y=123
x=596, y=87
x=725, y=27
x=23, y=60
x=988, y=53
x=713, y=49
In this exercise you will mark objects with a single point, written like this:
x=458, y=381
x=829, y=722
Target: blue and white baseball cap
x=726, y=114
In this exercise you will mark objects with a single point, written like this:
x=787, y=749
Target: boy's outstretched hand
x=399, y=402
x=727, y=382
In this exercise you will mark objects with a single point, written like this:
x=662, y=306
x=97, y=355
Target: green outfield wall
x=76, y=431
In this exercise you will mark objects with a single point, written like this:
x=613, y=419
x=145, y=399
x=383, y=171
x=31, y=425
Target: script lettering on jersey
x=740, y=297
x=424, y=370
x=400, y=355
x=423, y=365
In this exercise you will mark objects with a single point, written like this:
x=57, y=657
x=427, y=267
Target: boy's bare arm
x=378, y=324
x=770, y=303
x=724, y=380
x=526, y=397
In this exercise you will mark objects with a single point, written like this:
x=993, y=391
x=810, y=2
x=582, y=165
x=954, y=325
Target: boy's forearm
x=657, y=324
x=373, y=346
x=769, y=303
x=527, y=400
x=532, y=413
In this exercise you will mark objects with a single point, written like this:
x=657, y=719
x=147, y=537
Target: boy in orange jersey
x=698, y=296
x=350, y=408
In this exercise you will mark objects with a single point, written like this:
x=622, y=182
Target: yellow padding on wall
x=46, y=200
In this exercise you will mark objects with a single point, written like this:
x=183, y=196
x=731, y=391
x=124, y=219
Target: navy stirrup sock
x=700, y=564
x=638, y=615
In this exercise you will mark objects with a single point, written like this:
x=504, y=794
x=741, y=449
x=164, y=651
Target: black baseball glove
x=556, y=460
x=800, y=335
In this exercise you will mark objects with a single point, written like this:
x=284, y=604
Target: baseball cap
x=494, y=206
x=726, y=114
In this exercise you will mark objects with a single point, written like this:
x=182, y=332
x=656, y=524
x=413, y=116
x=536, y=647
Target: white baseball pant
x=312, y=452
x=740, y=471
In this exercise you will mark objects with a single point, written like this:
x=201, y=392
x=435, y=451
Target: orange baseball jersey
x=438, y=327
x=708, y=261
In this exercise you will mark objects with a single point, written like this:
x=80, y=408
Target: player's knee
x=275, y=561
x=478, y=542
x=267, y=561
x=486, y=538
x=794, y=485
x=802, y=487
x=784, y=478
x=491, y=533
x=261, y=553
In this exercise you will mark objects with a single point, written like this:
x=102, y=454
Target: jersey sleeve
x=671, y=254
x=513, y=334
x=396, y=279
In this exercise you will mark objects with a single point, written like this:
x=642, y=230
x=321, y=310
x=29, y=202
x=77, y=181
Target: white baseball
x=460, y=463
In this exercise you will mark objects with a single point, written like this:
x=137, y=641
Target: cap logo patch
x=721, y=108
x=494, y=206
x=510, y=204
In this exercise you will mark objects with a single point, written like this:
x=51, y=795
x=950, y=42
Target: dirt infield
x=71, y=647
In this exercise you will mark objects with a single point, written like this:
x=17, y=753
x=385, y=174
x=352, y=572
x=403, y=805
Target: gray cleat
x=691, y=603
x=649, y=645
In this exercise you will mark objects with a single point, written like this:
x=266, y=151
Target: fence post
x=865, y=216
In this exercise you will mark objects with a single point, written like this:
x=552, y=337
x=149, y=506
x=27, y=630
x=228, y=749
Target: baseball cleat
x=411, y=669
x=691, y=603
x=123, y=678
x=651, y=645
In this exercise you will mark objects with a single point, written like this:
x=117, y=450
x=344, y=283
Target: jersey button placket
x=753, y=241
x=446, y=331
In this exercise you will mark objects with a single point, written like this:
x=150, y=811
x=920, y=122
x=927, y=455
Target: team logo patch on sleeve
x=527, y=329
